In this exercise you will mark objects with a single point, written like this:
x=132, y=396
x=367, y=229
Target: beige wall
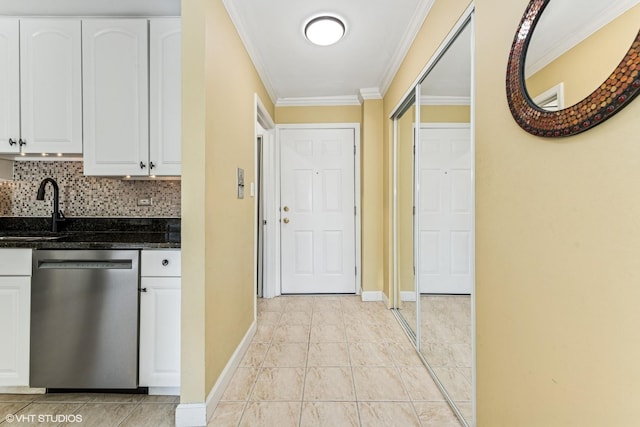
x=193, y=215
x=445, y=114
x=586, y=66
x=371, y=193
x=319, y=114
x=557, y=247
x=218, y=233
x=406, y=277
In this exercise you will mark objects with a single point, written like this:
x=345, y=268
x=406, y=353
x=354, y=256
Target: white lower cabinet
x=160, y=321
x=15, y=314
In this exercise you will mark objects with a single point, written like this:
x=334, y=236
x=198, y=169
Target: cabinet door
x=160, y=332
x=115, y=96
x=51, y=85
x=165, y=96
x=9, y=86
x=15, y=298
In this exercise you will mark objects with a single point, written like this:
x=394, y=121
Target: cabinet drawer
x=160, y=263
x=15, y=262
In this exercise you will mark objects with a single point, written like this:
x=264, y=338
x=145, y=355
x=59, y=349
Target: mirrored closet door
x=435, y=218
x=405, y=279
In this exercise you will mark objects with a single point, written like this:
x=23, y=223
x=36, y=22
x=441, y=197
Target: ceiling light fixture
x=324, y=30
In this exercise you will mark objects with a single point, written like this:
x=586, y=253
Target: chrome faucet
x=57, y=215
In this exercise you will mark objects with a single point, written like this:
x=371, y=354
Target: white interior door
x=446, y=219
x=318, y=211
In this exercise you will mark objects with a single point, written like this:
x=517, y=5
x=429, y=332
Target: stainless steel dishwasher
x=84, y=319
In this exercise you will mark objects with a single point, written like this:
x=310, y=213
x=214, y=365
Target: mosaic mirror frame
x=615, y=93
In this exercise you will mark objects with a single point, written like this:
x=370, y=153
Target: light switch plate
x=240, y=180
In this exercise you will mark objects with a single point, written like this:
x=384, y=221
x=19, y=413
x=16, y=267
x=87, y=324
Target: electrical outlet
x=145, y=202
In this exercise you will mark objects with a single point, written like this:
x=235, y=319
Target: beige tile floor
x=446, y=343
x=94, y=410
x=314, y=361
x=330, y=361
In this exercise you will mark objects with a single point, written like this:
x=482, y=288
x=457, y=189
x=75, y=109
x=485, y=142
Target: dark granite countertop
x=90, y=233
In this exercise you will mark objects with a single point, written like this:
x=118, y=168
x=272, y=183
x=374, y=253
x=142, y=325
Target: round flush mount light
x=324, y=30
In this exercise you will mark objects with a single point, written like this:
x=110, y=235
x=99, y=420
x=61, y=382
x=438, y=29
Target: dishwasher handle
x=113, y=264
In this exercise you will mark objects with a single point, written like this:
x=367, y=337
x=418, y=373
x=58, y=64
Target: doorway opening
x=262, y=191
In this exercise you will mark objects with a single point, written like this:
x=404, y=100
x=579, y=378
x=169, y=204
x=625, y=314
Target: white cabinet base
x=160, y=321
x=15, y=299
x=160, y=332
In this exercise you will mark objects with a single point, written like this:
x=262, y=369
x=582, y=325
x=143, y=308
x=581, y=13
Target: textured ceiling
x=378, y=35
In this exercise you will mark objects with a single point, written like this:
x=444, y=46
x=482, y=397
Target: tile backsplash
x=85, y=196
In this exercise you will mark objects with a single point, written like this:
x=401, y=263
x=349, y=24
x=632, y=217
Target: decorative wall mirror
x=541, y=53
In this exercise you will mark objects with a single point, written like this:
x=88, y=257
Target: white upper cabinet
x=165, y=96
x=51, y=86
x=9, y=86
x=116, y=97
x=132, y=97
x=40, y=86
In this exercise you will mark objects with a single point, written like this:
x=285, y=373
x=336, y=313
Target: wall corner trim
x=372, y=296
x=198, y=414
x=386, y=301
x=191, y=415
x=370, y=93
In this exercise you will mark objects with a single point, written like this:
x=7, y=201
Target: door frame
x=274, y=288
x=265, y=128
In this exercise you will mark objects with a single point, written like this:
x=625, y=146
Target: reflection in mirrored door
x=406, y=288
x=444, y=222
x=434, y=218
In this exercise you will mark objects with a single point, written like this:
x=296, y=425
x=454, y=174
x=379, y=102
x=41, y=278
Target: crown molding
x=563, y=45
x=418, y=17
x=252, y=51
x=445, y=100
x=319, y=101
x=369, y=93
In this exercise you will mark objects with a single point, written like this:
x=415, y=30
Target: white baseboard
x=407, y=296
x=372, y=295
x=22, y=390
x=198, y=414
x=164, y=391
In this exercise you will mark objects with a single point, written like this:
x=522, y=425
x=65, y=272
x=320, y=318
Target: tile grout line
x=397, y=367
x=306, y=367
x=353, y=377
x=76, y=412
x=129, y=414
x=260, y=369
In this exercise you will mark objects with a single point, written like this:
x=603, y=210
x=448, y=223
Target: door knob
x=286, y=220
x=286, y=208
